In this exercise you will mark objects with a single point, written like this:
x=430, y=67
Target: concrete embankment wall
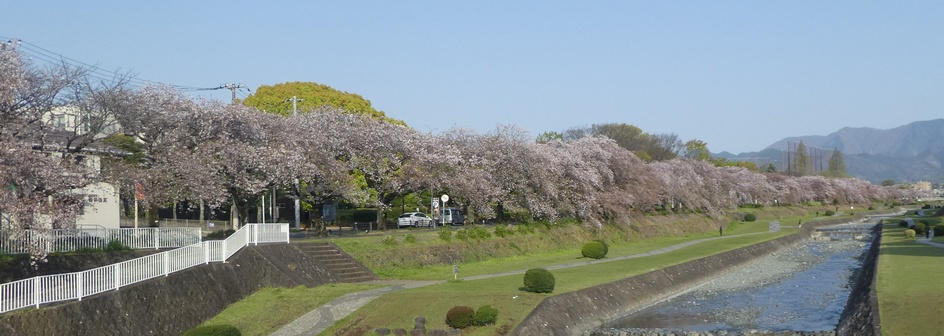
x=579, y=311
x=860, y=317
x=174, y=304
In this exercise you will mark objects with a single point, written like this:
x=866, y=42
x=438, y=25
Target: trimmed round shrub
x=214, y=330
x=606, y=247
x=593, y=249
x=830, y=213
x=460, y=317
x=909, y=233
x=750, y=217
x=538, y=280
x=919, y=228
x=485, y=315
x=445, y=234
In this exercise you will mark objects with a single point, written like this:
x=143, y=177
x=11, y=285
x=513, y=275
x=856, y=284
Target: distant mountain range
x=909, y=153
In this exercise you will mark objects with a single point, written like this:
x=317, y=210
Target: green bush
x=116, y=246
x=409, y=239
x=462, y=235
x=593, y=249
x=909, y=233
x=750, y=217
x=525, y=229
x=871, y=208
x=214, y=330
x=538, y=280
x=480, y=233
x=830, y=213
x=363, y=216
x=502, y=231
x=485, y=315
x=606, y=247
x=939, y=230
x=919, y=228
x=220, y=234
x=445, y=234
x=460, y=317
x=903, y=223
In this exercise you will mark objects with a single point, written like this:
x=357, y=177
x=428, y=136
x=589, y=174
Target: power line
x=47, y=56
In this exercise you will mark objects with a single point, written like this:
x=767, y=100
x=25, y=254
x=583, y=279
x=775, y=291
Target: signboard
x=329, y=212
x=774, y=226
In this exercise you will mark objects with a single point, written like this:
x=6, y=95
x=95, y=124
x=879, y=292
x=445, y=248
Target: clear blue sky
x=737, y=75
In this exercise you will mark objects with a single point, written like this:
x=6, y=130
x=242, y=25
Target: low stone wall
x=860, y=317
x=577, y=312
x=174, y=304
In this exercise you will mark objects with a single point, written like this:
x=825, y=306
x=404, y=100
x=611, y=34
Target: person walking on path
x=721, y=231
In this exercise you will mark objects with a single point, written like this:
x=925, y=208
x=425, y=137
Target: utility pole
x=233, y=87
x=298, y=192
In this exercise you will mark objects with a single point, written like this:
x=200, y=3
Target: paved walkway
x=927, y=241
x=320, y=319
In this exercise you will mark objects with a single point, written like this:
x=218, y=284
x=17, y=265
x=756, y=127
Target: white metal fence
x=69, y=240
x=74, y=286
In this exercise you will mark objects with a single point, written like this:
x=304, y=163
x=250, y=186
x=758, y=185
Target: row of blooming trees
x=227, y=156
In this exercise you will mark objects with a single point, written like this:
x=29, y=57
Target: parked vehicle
x=453, y=216
x=414, y=219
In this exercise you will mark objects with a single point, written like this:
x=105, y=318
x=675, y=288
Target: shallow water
x=803, y=288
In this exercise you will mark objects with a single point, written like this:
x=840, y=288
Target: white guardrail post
x=79, y=285
x=36, y=290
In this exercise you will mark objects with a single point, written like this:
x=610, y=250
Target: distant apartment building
x=102, y=206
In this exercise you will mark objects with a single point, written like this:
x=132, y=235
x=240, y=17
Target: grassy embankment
x=268, y=309
x=398, y=309
x=908, y=286
x=431, y=258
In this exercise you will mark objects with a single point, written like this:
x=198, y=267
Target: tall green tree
x=697, y=150
x=277, y=99
x=548, y=136
x=802, y=165
x=837, y=165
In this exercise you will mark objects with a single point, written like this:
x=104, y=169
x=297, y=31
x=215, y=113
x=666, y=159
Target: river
x=803, y=288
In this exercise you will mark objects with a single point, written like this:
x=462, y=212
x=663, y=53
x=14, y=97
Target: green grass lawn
x=268, y=309
x=397, y=310
x=911, y=300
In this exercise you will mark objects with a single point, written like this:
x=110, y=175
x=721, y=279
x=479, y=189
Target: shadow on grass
x=910, y=247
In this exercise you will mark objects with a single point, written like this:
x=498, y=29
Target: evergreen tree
x=801, y=162
x=837, y=165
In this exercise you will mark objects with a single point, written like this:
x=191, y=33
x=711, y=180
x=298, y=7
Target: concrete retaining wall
x=174, y=304
x=576, y=312
x=860, y=317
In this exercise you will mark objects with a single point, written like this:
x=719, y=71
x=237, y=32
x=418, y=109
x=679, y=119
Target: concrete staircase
x=339, y=264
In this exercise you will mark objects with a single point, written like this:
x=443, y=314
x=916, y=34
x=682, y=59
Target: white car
x=415, y=219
